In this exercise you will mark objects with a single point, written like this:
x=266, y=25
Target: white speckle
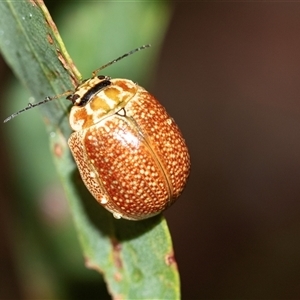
x=169, y=121
x=103, y=200
x=30, y=15
x=106, y=128
x=127, y=138
x=23, y=18
x=52, y=134
x=117, y=215
x=92, y=174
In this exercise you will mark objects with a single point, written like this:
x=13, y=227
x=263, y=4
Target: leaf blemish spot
x=58, y=150
x=116, y=247
x=170, y=259
x=49, y=38
x=62, y=59
x=91, y=265
x=118, y=276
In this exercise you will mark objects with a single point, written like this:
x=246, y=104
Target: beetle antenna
x=119, y=58
x=32, y=105
x=47, y=99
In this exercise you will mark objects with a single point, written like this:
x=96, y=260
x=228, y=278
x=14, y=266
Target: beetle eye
x=101, y=77
x=73, y=98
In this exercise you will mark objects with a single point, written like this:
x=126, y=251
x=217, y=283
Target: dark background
x=229, y=75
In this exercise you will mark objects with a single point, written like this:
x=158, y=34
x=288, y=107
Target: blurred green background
x=229, y=75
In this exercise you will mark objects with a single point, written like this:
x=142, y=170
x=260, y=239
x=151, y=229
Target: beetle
x=130, y=153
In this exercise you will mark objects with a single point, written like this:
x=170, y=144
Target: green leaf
x=135, y=258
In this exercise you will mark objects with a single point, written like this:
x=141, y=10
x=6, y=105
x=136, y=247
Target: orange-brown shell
x=135, y=161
